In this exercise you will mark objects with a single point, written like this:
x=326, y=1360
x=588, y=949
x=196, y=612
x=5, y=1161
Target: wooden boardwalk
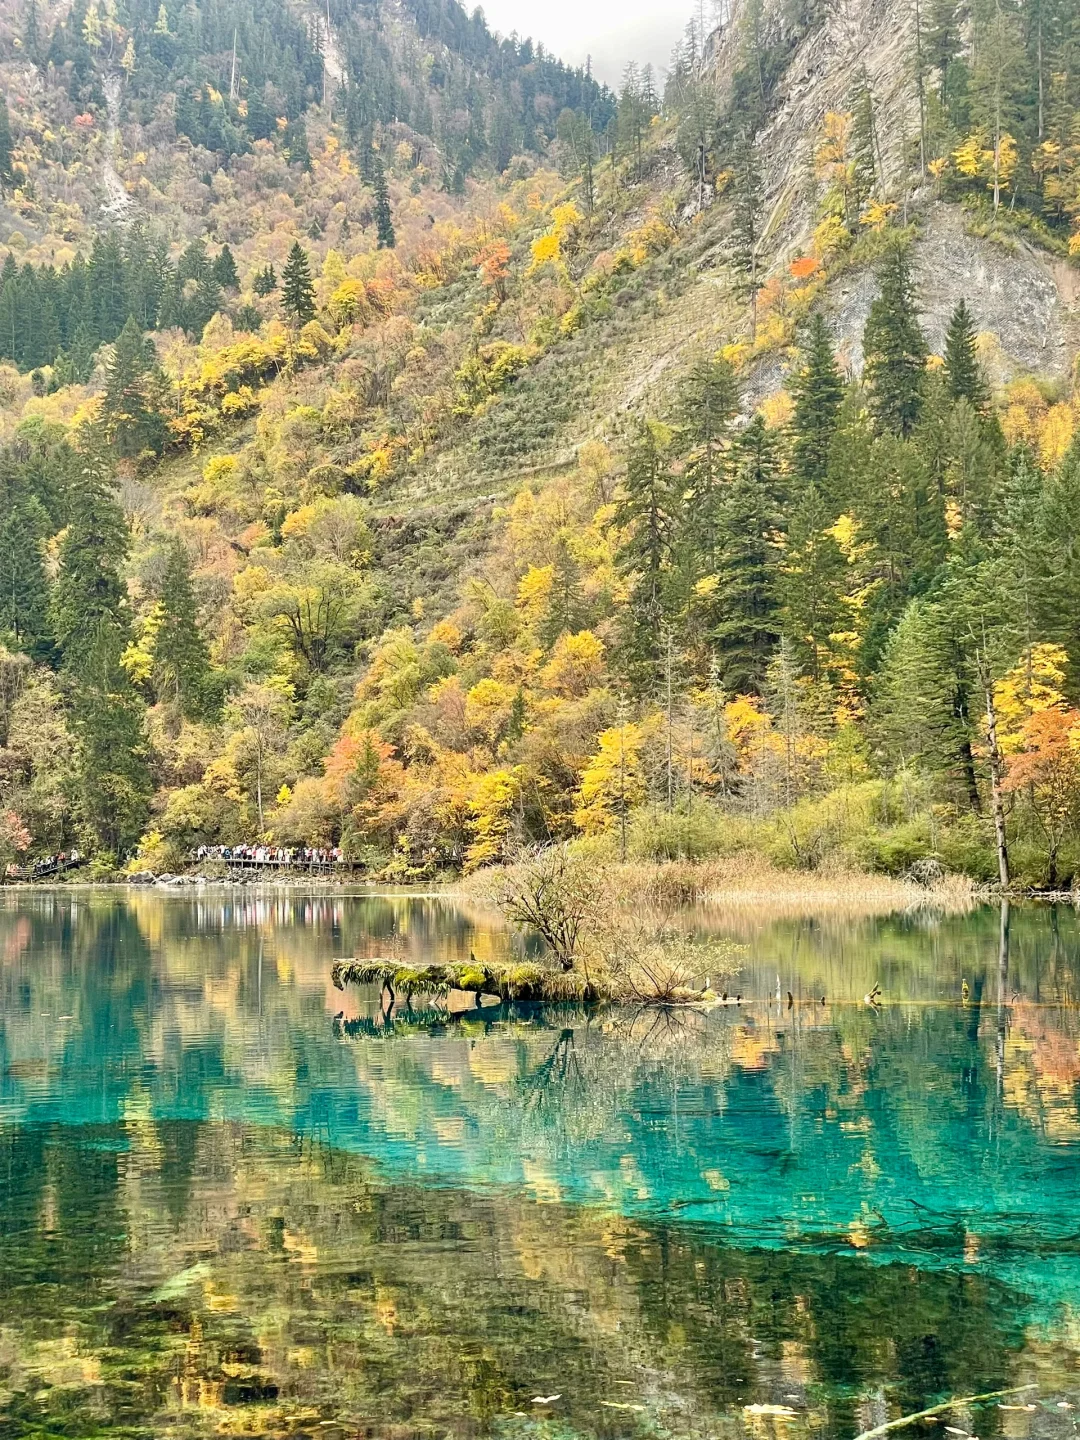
x=45, y=872
x=296, y=866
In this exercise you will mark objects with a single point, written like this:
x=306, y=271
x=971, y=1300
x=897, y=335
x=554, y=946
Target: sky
x=611, y=31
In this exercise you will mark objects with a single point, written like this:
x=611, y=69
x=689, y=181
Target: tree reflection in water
x=222, y=1210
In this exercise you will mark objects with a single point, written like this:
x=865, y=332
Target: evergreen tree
x=648, y=513
x=818, y=392
x=813, y=585
x=91, y=623
x=746, y=599
x=864, y=140
x=913, y=715
x=295, y=144
x=265, y=281
x=384, y=224
x=963, y=373
x=746, y=214
x=32, y=33
x=297, y=290
x=133, y=420
x=194, y=263
x=894, y=348
x=7, y=173
x=23, y=585
x=709, y=400
x=1059, y=524
x=181, y=658
x=260, y=123
x=224, y=270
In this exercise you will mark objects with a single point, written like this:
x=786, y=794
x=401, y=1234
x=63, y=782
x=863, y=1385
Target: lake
x=235, y=1201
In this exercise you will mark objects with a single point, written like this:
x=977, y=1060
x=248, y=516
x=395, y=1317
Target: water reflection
x=227, y=1207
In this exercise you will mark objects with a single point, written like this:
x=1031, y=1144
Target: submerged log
x=507, y=982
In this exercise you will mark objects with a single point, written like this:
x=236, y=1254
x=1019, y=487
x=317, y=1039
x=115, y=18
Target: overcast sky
x=611, y=31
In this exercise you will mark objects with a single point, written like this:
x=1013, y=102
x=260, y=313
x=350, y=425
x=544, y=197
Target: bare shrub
x=558, y=894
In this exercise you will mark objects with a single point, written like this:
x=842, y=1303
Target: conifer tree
x=23, y=585
x=91, y=623
x=812, y=588
x=265, y=281
x=133, y=421
x=913, y=716
x=746, y=215
x=384, y=223
x=818, y=392
x=297, y=290
x=295, y=143
x=895, y=348
x=963, y=373
x=32, y=33
x=864, y=139
x=224, y=270
x=565, y=611
x=181, y=658
x=746, y=600
x=7, y=173
x=647, y=514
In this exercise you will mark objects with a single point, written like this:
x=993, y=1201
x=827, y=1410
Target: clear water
x=234, y=1201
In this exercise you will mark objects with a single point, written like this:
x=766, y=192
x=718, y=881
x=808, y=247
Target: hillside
x=411, y=446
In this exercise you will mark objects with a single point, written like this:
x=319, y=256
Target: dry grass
x=746, y=882
x=749, y=882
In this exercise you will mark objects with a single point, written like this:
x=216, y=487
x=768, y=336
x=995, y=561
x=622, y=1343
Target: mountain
x=412, y=446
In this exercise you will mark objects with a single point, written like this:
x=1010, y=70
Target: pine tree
x=265, y=281
x=913, y=716
x=647, y=514
x=181, y=658
x=297, y=290
x=812, y=588
x=32, y=33
x=7, y=173
x=132, y=419
x=864, y=140
x=23, y=584
x=963, y=373
x=942, y=42
x=746, y=216
x=895, y=348
x=746, y=599
x=224, y=270
x=91, y=623
x=295, y=144
x=384, y=224
x=818, y=392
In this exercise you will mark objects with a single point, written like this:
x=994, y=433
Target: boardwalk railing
x=43, y=870
x=296, y=864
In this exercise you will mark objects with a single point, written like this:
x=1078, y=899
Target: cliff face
x=1025, y=301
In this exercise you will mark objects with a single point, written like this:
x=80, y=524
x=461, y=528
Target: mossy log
x=507, y=982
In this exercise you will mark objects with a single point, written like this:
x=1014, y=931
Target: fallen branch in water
x=937, y=1410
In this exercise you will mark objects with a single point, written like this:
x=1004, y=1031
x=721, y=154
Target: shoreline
x=742, y=882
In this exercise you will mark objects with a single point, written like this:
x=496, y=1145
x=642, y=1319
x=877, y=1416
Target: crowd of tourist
x=47, y=865
x=286, y=857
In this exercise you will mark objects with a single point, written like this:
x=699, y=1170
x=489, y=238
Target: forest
x=320, y=524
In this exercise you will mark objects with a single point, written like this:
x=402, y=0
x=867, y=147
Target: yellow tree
x=612, y=782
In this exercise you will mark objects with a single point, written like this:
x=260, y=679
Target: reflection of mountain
x=218, y=1279
x=837, y=1127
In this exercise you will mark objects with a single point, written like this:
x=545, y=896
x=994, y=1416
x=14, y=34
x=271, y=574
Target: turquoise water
x=236, y=1201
